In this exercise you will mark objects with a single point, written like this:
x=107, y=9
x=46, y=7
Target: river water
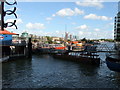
x=43, y=71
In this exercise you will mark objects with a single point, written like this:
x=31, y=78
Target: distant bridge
x=98, y=48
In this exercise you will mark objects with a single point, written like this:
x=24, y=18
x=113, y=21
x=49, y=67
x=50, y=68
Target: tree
x=84, y=39
x=49, y=39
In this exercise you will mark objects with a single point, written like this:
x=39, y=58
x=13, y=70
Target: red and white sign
x=1, y=37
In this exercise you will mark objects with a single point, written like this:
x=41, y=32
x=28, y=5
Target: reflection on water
x=43, y=71
x=89, y=70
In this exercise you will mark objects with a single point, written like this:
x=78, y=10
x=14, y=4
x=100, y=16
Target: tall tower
x=70, y=37
x=66, y=36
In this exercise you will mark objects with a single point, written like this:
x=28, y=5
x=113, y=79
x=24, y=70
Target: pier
x=17, y=50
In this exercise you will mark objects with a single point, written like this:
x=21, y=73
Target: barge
x=82, y=57
x=113, y=62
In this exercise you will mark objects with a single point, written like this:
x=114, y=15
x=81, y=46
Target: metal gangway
x=105, y=48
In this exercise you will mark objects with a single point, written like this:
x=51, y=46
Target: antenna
x=65, y=28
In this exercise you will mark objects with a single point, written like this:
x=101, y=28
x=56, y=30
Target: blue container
x=5, y=39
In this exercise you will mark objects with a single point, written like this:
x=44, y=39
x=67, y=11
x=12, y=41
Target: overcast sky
x=90, y=20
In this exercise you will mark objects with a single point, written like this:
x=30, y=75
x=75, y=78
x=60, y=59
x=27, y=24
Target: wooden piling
x=29, y=48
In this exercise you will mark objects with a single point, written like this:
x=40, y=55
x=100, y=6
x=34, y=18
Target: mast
x=66, y=35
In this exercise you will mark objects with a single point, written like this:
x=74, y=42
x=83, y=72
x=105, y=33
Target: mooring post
x=29, y=48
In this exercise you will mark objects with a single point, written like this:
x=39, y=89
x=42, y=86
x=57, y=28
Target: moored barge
x=83, y=57
x=113, y=62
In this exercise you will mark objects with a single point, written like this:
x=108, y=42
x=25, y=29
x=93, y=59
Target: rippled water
x=43, y=71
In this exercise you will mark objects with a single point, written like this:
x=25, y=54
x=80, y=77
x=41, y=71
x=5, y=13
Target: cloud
x=18, y=21
x=78, y=11
x=90, y=3
x=65, y=12
x=96, y=29
x=82, y=27
x=84, y=31
x=69, y=12
x=111, y=23
x=35, y=26
x=53, y=15
x=80, y=32
x=49, y=18
x=57, y=33
x=89, y=34
x=95, y=17
x=73, y=23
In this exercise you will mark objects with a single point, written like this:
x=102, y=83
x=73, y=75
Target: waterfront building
x=57, y=39
x=117, y=28
x=6, y=37
x=5, y=42
x=71, y=37
x=40, y=39
x=66, y=36
x=24, y=37
x=75, y=37
x=24, y=34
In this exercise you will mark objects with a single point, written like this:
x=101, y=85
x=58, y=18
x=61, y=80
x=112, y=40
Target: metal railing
x=105, y=48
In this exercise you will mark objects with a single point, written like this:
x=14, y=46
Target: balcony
x=118, y=24
x=118, y=27
x=118, y=20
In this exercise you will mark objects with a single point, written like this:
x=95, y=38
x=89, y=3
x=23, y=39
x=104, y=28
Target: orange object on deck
x=79, y=44
x=60, y=47
x=74, y=42
x=7, y=32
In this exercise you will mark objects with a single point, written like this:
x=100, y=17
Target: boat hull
x=112, y=65
x=86, y=60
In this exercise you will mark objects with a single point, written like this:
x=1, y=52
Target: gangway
x=105, y=48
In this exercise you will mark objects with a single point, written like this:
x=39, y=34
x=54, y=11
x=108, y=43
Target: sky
x=93, y=20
